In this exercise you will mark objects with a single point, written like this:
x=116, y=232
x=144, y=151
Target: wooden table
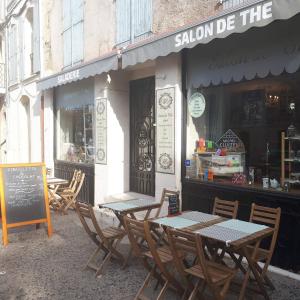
x=233, y=235
x=236, y=236
x=56, y=181
x=130, y=207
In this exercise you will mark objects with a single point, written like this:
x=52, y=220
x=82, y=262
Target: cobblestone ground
x=33, y=266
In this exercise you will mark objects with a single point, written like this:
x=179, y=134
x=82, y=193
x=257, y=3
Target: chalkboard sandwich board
x=173, y=209
x=24, y=196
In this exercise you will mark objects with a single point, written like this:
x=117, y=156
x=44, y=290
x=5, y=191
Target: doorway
x=142, y=136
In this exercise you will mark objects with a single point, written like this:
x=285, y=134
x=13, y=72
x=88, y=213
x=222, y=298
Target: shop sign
x=69, y=76
x=224, y=25
x=101, y=131
x=196, y=105
x=231, y=142
x=165, y=130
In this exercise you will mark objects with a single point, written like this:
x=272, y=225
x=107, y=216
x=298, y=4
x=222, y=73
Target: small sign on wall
x=165, y=130
x=101, y=131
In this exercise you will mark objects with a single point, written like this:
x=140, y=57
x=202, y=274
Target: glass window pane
x=76, y=142
x=67, y=37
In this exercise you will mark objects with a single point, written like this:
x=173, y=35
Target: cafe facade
x=211, y=109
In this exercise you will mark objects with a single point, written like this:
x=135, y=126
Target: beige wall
x=99, y=25
x=171, y=14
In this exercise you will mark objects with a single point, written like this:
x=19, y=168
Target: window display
x=75, y=134
x=238, y=138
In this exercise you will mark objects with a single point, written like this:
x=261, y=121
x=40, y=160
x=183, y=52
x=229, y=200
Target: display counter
x=199, y=195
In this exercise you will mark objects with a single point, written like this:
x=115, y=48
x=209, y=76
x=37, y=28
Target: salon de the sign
x=221, y=26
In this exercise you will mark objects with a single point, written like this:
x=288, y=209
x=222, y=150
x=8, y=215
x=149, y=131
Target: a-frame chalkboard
x=24, y=196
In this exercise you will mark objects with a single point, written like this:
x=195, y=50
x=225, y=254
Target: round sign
x=196, y=105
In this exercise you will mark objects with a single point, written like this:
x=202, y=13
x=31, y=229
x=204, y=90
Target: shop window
x=234, y=132
x=134, y=20
x=75, y=134
x=72, y=32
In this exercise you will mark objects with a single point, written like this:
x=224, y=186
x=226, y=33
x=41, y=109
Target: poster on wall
x=165, y=130
x=101, y=131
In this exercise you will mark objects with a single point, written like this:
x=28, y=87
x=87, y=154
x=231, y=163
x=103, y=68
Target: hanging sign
x=196, y=105
x=165, y=130
x=231, y=142
x=24, y=196
x=101, y=131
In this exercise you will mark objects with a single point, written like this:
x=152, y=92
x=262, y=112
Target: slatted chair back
x=136, y=233
x=181, y=242
x=224, y=208
x=74, y=178
x=162, y=258
x=268, y=216
x=165, y=197
x=79, y=179
x=85, y=212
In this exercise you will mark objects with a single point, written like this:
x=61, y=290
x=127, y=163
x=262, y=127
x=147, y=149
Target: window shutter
x=77, y=43
x=67, y=37
x=67, y=21
x=21, y=49
x=77, y=31
x=77, y=11
x=123, y=16
x=142, y=17
x=36, y=38
x=67, y=33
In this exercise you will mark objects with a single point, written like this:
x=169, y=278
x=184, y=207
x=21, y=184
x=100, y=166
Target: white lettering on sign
x=68, y=76
x=225, y=24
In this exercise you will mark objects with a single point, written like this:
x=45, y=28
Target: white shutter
x=77, y=43
x=67, y=38
x=67, y=33
x=36, y=37
x=77, y=31
x=67, y=20
x=142, y=16
x=123, y=18
x=21, y=50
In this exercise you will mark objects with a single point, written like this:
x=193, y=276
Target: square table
x=188, y=220
x=130, y=207
x=236, y=236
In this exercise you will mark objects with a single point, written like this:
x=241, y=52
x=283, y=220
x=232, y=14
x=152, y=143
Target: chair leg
x=163, y=291
x=92, y=257
x=195, y=290
x=106, y=259
x=145, y=284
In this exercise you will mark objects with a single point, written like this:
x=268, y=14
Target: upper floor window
x=72, y=32
x=231, y=3
x=133, y=19
x=12, y=53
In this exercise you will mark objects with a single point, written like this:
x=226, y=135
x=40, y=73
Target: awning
x=257, y=14
x=257, y=53
x=92, y=68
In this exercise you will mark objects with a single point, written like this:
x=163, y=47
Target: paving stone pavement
x=37, y=267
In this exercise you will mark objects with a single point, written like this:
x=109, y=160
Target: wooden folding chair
x=224, y=208
x=270, y=217
x=72, y=184
x=68, y=198
x=106, y=239
x=165, y=197
x=215, y=276
x=138, y=231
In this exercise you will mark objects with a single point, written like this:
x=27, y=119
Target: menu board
x=173, y=208
x=24, y=196
x=101, y=131
x=165, y=130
